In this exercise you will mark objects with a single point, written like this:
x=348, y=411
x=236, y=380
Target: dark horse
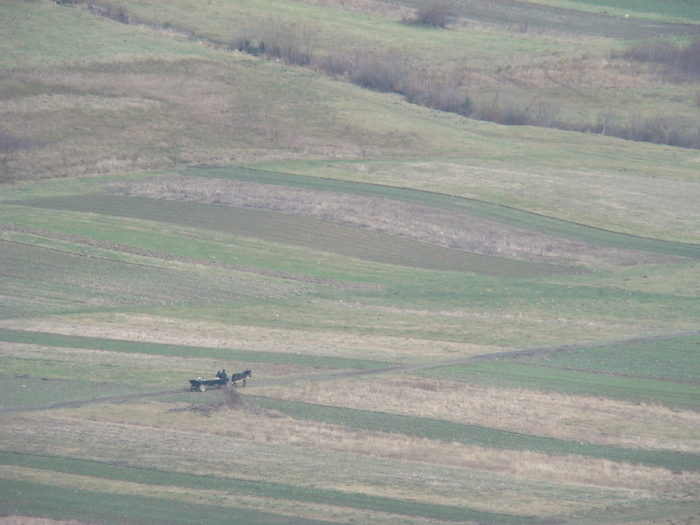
x=240, y=377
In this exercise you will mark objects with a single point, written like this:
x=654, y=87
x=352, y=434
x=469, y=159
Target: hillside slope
x=447, y=319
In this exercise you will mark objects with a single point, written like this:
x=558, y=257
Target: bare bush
x=689, y=58
x=443, y=96
x=386, y=73
x=679, y=60
x=671, y=130
x=506, y=107
x=438, y=15
x=337, y=64
x=292, y=43
x=10, y=144
x=114, y=11
x=659, y=52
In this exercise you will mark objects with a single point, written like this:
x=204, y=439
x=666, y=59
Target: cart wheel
x=202, y=388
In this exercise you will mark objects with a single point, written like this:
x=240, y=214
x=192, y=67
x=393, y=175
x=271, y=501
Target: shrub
x=439, y=15
x=690, y=57
x=679, y=60
x=442, y=96
x=117, y=12
x=9, y=144
x=337, y=64
x=289, y=42
x=385, y=73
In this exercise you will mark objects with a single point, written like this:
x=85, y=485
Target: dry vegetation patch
x=25, y=520
x=264, y=426
x=225, y=441
x=631, y=196
x=593, y=420
x=195, y=332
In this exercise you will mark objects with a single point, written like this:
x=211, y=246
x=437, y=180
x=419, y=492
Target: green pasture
x=673, y=359
x=56, y=502
x=487, y=308
x=200, y=246
x=31, y=30
x=24, y=384
x=511, y=374
x=300, y=231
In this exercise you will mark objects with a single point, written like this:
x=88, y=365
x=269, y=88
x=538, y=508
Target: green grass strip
x=24, y=498
x=474, y=435
x=486, y=210
x=299, y=231
x=139, y=347
x=257, y=489
x=670, y=359
x=513, y=374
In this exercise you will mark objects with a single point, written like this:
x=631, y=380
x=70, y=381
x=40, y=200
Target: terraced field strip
x=491, y=369
x=300, y=231
x=139, y=347
x=39, y=500
x=674, y=359
x=450, y=432
x=512, y=374
x=485, y=210
x=250, y=488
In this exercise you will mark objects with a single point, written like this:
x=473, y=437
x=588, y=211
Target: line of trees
x=680, y=61
x=390, y=72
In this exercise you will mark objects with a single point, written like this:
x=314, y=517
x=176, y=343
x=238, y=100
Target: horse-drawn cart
x=219, y=381
x=202, y=384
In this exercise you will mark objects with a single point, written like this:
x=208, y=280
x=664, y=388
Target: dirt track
x=332, y=376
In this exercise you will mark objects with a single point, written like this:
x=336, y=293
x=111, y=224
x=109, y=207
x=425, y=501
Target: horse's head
x=248, y=373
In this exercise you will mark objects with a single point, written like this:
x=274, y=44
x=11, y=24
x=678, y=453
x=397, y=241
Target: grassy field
x=461, y=262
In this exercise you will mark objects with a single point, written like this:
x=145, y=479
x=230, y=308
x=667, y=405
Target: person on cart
x=221, y=374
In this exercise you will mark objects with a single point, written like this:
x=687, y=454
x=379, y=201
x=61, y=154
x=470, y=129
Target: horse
x=240, y=377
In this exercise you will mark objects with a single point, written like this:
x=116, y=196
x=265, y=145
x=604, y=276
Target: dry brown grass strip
x=561, y=416
x=156, y=329
x=243, y=424
x=26, y=520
